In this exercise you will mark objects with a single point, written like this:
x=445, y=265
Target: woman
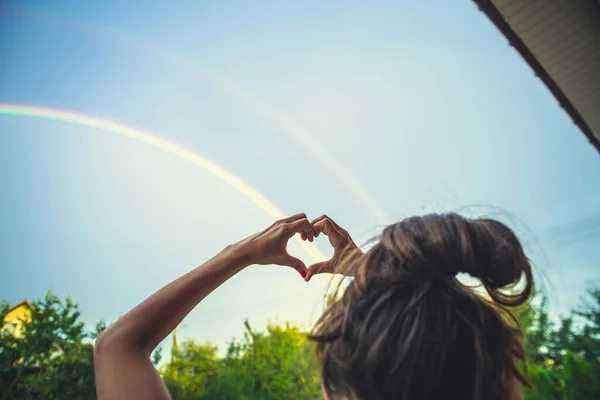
x=405, y=327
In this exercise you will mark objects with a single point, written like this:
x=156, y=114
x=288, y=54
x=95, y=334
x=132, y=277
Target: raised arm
x=122, y=365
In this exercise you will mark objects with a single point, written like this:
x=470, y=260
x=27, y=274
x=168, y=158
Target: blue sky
x=423, y=103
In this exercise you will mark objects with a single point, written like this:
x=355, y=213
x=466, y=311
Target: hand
x=270, y=245
x=344, y=248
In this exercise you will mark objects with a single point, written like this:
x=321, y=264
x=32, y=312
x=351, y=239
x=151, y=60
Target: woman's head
x=406, y=328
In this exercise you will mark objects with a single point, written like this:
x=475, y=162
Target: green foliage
x=191, y=368
x=545, y=387
x=50, y=360
x=276, y=364
x=587, y=342
x=69, y=376
x=564, y=357
x=157, y=355
x=53, y=359
x=579, y=379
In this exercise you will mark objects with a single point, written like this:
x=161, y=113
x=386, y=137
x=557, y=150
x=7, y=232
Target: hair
x=407, y=328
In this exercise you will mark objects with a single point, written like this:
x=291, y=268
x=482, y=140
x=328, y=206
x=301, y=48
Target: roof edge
x=489, y=9
x=19, y=304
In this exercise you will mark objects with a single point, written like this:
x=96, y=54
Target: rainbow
x=236, y=92
x=159, y=143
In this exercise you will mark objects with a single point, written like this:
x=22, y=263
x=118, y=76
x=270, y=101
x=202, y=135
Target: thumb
x=317, y=268
x=295, y=263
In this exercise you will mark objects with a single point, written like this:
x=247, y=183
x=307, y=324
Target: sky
x=367, y=114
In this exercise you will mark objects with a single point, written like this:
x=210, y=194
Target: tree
x=545, y=387
x=9, y=357
x=53, y=358
x=563, y=357
x=275, y=364
x=580, y=382
x=190, y=370
x=587, y=341
x=50, y=360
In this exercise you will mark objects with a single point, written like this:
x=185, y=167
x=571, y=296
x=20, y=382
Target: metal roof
x=560, y=40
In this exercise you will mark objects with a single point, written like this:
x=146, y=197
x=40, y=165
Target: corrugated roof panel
x=510, y=8
x=564, y=37
x=559, y=57
x=585, y=97
x=553, y=28
x=536, y=17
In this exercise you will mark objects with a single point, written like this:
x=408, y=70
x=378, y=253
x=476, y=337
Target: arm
x=122, y=366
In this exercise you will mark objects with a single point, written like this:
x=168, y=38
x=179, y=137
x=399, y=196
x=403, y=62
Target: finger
x=321, y=218
x=299, y=226
x=327, y=227
x=339, y=228
x=293, y=218
x=318, y=268
x=335, y=224
x=295, y=263
x=310, y=234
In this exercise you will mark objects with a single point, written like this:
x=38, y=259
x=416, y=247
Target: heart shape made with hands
x=269, y=247
x=339, y=239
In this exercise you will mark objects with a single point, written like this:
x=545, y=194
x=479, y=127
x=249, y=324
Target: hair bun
x=497, y=258
x=442, y=245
